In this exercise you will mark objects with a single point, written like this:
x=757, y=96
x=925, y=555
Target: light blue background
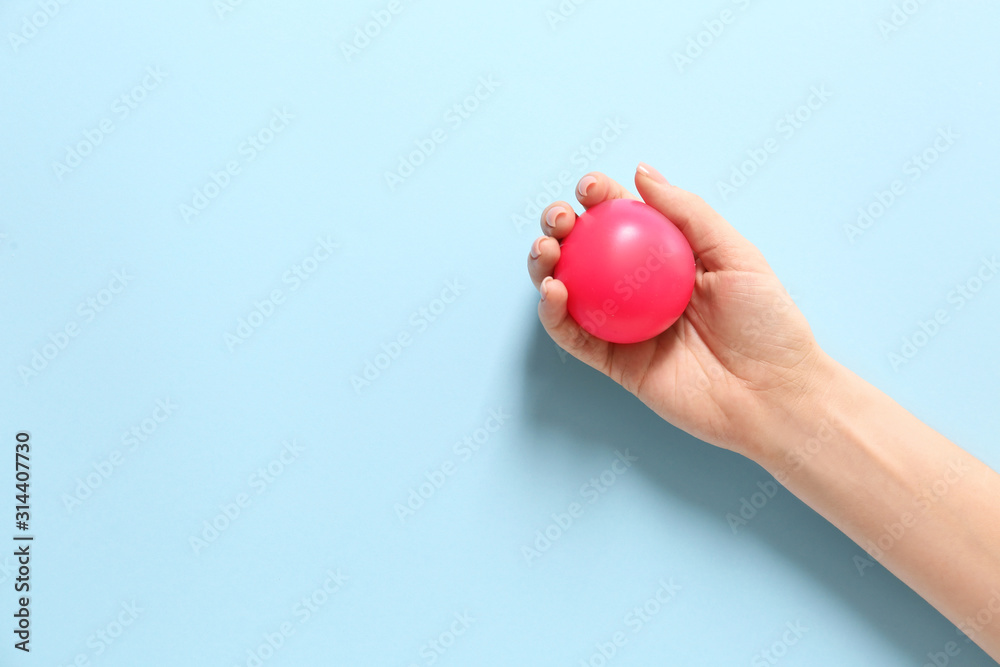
x=455, y=218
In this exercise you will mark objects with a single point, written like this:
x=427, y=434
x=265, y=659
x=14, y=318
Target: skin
x=742, y=370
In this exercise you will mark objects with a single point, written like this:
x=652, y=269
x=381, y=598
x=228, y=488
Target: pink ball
x=628, y=270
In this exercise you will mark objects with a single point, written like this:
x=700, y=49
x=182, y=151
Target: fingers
x=595, y=188
x=558, y=220
x=542, y=259
x=716, y=243
x=564, y=330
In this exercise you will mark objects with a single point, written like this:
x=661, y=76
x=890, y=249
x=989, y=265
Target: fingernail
x=544, y=289
x=585, y=184
x=552, y=215
x=656, y=176
x=536, y=249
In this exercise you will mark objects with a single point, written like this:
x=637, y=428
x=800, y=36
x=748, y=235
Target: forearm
x=920, y=505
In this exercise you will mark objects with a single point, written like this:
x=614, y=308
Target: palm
x=740, y=338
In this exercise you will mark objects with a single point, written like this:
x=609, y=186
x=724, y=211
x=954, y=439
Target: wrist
x=796, y=427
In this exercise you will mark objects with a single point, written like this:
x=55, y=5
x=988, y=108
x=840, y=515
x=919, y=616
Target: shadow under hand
x=565, y=395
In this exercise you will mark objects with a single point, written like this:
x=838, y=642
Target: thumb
x=714, y=241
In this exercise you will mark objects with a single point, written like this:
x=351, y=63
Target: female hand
x=740, y=355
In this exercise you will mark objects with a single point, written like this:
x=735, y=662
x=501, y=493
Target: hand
x=740, y=356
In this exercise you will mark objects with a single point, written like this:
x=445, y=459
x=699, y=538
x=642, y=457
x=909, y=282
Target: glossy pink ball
x=628, y=270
